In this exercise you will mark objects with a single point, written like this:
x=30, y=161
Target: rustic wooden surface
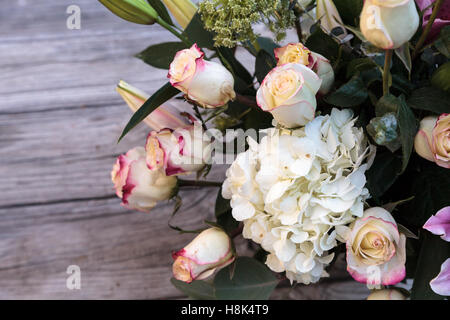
x=59, y=121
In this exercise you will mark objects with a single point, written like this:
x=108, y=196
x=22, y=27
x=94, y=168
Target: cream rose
x=183, y=150
x=211, y=250
x=388, y=24
x=386, y=294
x=375, y=249
x=139, y=187
x=432, y=141
x=288, y=92
x=206, y=82
x=298, y=53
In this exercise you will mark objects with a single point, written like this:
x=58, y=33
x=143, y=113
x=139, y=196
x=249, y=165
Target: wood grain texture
x=59, y=122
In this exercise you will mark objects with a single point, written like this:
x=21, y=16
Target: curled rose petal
x=439, y=224
x=441, y=284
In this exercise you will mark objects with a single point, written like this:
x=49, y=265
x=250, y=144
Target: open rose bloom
x=139, y=187
x=288, y=92
x=208, y=83
x=432, y=141
x=375, y=249
x=386, y=294
x=298, y=53
x=211, y=250
x=388, y=24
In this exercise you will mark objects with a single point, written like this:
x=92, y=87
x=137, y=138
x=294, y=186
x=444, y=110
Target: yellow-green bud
x=137, y=11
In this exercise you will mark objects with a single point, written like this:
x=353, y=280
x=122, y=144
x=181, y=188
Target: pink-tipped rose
x=179, y=151
x=432, y=141
x=298, y=53
x=206, y=82
x=209, y=251
x=288, y=92
x=375, y=249
x=139, y=187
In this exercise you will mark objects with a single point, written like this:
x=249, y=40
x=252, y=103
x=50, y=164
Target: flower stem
x=386, y=71
x=198, y=183
x=437, y=6
x=245, y=100
x=168, y=27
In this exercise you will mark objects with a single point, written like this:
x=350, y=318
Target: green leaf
x=323, y=44
x=433, y=253
x=196, y=33
x=430, y=99
x=441, y=77
x=351, y=94
x=383, y=173
x=349, y=10
x=443, y=42
x=387, y=104
x=161, y=9
x=404, y=55
x=197, y=289
x=229, y=60
x=360, y=64
x=252, y=281
x=267, y=44
x=408, y=128
x=263, y=64
x=161, y=55
x=223, y=214
x=158, y=98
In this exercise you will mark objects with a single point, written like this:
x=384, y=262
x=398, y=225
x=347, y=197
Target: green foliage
x=430, y=99
x=443, y=42
x=198, y=289
x=161, y=55
x=408, y=127
x=441, y=77
x=350, y=94
x=383, y=173
x=263, y=64
x=196, y=33
x=349, y=10
x=322, y=43
x=161, y=9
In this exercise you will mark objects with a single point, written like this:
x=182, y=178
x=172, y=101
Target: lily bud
x=209, y=251
x=182, y=10
x=329, y=16
x=139, y=187
x=165, y=116
x=388, y=24
x=179, y=151
x=386, y=294
x=137, y=11
x=206, y=82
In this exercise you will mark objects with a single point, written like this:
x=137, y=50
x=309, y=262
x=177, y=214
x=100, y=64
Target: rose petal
x=441, y=284
x=439, y=224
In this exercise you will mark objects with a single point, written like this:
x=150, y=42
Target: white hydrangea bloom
x=295, y=186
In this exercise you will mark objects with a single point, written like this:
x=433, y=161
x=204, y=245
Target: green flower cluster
x=232, y=20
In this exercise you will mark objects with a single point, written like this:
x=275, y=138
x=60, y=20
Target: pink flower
x=209, y=251
x=442, y=18
x=206, y=82
x=137, y=186
x=179, y=151
x=439, y=224
x=441, y=284
x=375, y=249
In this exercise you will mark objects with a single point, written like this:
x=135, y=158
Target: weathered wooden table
x=59, y=122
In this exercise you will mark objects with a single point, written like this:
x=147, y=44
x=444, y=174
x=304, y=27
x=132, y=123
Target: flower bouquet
x=337, y=143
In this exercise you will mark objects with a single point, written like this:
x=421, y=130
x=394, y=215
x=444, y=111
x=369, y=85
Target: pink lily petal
x=441, y=284
x=439, y=224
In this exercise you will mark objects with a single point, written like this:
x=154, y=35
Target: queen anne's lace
x=295, y=186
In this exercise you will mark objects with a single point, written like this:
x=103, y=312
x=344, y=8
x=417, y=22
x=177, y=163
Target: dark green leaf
x=431, y=99
x=404, y=55
x=160, y=8
x=197, y=289
x=263, y=64
x=229, y=60
x=158, y=98
x=358, y=65
x=161, y=55
x=383, y=173
x=387, y=104
x=322, y=43
x=268, y=45
x=351, y=94
x=408, y=128
x=443, y=42
x=441, y=77
x=433, y=253
x=252, y=281
x=196, y=33
x=349, y=10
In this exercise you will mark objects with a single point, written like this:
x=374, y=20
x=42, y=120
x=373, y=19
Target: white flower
x=293, y=188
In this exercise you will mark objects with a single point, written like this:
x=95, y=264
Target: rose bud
x=298, y=53
x=432, y=141
x=211, y=250
x=388, y=24
x=376, y=252
x=183, y=150
x=139, y=187
x=386, y=294
x=329, y=17
x=289, y=93
x=208, y=83
x=137, y=11
x=182, y=10
x=165, y=116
